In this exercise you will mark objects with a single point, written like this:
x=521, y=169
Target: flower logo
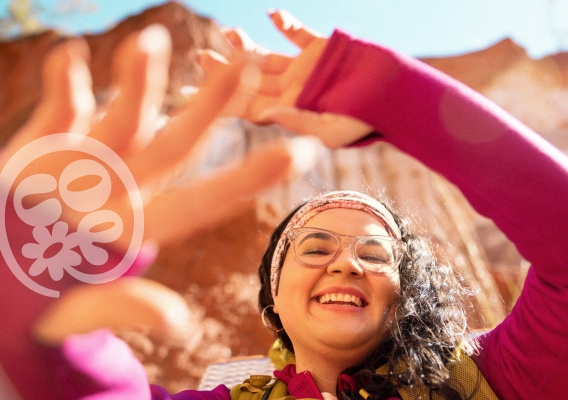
x=55, y=262
x=57, y=247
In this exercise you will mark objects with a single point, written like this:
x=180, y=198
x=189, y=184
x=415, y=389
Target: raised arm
x=91, y=204
x=508, y=173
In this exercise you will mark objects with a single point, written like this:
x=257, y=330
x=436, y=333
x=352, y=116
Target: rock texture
x=216, y=269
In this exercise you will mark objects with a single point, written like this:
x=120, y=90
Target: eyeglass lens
x=314, y=247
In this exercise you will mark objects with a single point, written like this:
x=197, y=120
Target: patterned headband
x=338, y=199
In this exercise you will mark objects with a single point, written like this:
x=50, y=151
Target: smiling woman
x=367, y=309
x=343, y=305
x=409, y=337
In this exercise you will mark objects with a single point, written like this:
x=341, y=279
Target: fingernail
x=77, y=47
x=188, y=90
x=288, y=21
x=276, y=16
x=154, y=38
x=232, y=36
x=306, y=152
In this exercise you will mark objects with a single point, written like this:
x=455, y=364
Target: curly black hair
x=429, y=325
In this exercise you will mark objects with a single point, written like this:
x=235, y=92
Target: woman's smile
x=345, y=297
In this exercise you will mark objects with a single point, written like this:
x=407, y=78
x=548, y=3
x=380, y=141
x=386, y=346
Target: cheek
x=288, y=280
x=295, y=285
x=392, y=286
x=393, y=304
x=388, y=285
x=282, y=298
x=388, y=291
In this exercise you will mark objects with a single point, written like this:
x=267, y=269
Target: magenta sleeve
x=96, y=365
x=220, y=392
x=507, y=172
x=34, y=371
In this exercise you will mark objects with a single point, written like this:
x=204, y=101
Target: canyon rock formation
x=215, y=270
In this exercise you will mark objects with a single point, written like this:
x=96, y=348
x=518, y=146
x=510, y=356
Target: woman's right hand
x=282, y=80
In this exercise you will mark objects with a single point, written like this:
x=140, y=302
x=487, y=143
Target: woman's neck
x=325, y=369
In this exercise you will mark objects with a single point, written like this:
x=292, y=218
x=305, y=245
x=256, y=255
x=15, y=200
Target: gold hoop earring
x=266, y=324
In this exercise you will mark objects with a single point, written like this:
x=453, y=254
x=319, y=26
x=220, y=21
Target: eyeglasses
x=319, y=247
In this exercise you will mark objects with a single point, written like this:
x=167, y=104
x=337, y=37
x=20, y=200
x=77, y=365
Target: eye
x=315, y=252
x=376, y=258
x=375, y=252
x=315, y=247
x=315, y=244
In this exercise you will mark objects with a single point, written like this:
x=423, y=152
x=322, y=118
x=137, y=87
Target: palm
x=129, y=127
x=282, y=80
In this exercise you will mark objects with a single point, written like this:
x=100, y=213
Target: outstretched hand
x=130, y=124
x=71, y=190
x=284, y=78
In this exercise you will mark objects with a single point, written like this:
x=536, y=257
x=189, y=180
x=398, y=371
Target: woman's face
x=315, y=324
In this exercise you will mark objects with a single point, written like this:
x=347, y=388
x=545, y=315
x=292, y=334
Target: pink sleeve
x=221, y=392
x=508, y=173
x=98, y=366
x=34, y=371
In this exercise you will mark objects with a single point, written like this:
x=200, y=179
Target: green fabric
x=464, y=376
x=257, y=386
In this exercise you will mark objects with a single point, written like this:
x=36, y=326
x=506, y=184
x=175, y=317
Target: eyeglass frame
x=397, y=243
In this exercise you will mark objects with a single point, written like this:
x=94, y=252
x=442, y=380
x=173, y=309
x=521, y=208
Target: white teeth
x=348, y=299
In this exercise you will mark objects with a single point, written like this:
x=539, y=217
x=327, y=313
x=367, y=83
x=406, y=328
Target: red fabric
x=300, y=385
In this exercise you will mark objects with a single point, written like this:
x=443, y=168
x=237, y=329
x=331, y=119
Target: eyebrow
x=316, y=235
x=376, y=240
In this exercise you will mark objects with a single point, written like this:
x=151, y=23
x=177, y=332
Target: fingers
x=140, y=71
x=210, y=60
x=292, y=28
x=268, y=92
x=269, y=68
x=271, y=63
x=275, y=63
x=334, y=130
x=177, y=138
x=228, y=192
x=282, y=78
x=67, y=102
x=135, y=303
x=241, y=41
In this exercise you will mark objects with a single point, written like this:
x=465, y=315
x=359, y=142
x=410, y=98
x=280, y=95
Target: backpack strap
x=464, y=376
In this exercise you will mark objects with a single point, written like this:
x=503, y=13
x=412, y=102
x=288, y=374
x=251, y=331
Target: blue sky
x=417, y=27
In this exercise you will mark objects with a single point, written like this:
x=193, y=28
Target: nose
x=345, y=262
